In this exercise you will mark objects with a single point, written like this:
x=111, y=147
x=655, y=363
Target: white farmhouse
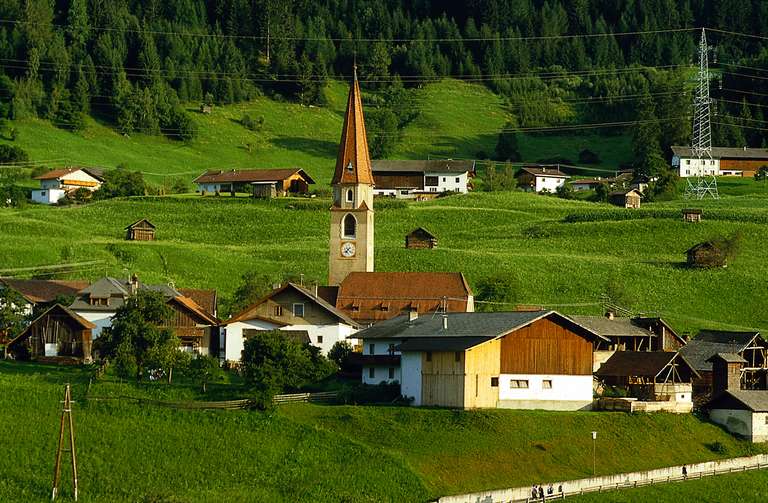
x=724, y=161
x=293, y=309
x=421, y=179
x=520, y=360
x=740, y=411
x=541, y=179
x=56, y=184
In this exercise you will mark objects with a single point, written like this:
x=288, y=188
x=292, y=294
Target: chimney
x=315, y=289
x=133, y=284
x=445, y=322
x=413, y=316
x=726, y=372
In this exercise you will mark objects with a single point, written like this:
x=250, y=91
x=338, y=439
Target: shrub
x=120, y=182
x=340, y=354
x=586, y=156
x=499, y=291
x=252, y=124
x=12, y=153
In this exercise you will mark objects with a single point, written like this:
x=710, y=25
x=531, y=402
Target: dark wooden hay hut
x=141, y=230
x=420, y=238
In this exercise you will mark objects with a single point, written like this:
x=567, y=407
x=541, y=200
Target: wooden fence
x=323, y=397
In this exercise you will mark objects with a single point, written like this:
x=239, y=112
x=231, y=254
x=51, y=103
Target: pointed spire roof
x=353, y=148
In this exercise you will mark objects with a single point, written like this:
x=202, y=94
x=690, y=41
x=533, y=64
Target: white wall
x=232, y=335
x=380, y=374
x=209, y=187
x=564, y=387
x=101, y=319
x=381, y=346
x=735, y=420
x=330, y=334
x=450, y=182
x=695, y=167
x=548, y=183
x=410, y=385
x=49, y=196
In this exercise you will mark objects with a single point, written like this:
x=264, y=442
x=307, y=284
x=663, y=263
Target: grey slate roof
x=754, y=400
x=638, y=363
x=442, y=343
x=710, y=342
x=116, y=290
x=424, y=166
x=617, y=327
x=725, y=152
x=482, y=325
x=727, y=357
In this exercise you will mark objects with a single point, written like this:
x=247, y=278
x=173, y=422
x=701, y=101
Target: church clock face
x=348, y=249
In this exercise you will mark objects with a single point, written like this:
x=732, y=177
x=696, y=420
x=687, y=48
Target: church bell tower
x=351, y=244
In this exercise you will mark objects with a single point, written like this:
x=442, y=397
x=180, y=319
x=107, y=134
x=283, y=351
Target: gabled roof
x=727, y=358
x=423, y=166
x=362, y=294
x=207, y=299
x=754, y=400
x=250, y=175
x=710, y=342
x=692, y=211
x=625, y=193
x=84, y=324
x=617, y=327
x=725, y=152
x=544, y=171
x=40, y=290
x=249, y=312
x=353, y=147
x=192, y=306
x=640, y=363
x=422, y=233
x=464, y=325
x=137, y=222
x=56, y=174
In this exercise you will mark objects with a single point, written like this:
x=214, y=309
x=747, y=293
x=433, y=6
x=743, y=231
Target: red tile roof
x=40, y=290
x=376, y=296
x=250, y=175
x=207, y=299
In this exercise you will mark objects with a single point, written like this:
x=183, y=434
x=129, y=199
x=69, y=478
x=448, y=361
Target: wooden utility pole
x=66, y=417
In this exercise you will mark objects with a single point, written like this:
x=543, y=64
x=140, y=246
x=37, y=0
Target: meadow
x=131, y=452
x=558, y=253
x=457, y=120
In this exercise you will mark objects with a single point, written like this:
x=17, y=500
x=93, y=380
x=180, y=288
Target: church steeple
x=351, y=240
x=353, y=164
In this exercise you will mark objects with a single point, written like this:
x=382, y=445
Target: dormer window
x=350, y=168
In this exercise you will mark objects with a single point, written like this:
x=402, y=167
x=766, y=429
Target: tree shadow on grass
x=322, y=148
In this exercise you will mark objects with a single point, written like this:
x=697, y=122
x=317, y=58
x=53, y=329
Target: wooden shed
x=58, y=335
x=692, y=215
x=420, y=238
x=141, y=230
x=707, y=254
x=264, y=190
x=626, y=198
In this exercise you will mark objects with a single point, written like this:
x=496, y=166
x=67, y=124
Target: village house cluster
x=420, y=329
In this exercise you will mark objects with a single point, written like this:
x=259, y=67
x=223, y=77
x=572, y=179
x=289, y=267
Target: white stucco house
x=56, y=184
x=723, y=161
x=541, y=178
x=414, y=179
x=291, y=308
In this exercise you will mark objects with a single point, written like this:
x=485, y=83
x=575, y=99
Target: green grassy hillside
x=130, y=452
x=457, y=120
x=211, y=242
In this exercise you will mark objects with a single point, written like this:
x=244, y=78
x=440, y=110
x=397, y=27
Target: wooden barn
x=707, y=254
x=141, y=230
x=58, y=335
x=521, y=360
x=626, y=198
x=653, y=376
x=285, y=182
x=692, y=215
x=420, y=238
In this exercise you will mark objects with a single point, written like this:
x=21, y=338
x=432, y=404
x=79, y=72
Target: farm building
x=370, y=297
x=524, y=360
x=194, y=325
x=420, y=238
x=420, y=179
x=540, y=179
x=725, y=161
x=56, y=184
x=257, y=182
x=140, y=230
x=290, y=308
x=58, y=335
x=655, y=376
x=692, y=215
x=748, y=345
x=626, y=198
x=742, y=412
x=707, y=254
x=587, y=184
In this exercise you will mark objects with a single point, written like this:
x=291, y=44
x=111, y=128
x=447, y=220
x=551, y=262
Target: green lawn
x=130, y=452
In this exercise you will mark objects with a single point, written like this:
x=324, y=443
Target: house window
x=371, y=349
x=518, y=383
x=429, y=356
x=391, y=373
x=350, y=226
x=350, y=196
x=385, y=307
x=372, y=372
x=712, y=163
x=766, y=419
x=457, y=356
x=494, y=382
x=42, y=193
x=319, y=339
x=458, y=180
x=391, y=349
x=298, y=310
x=688, y=161
x=431, y=181
x=546, y=384
x=403, y=192
x=433, y=189
x=444, y=179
